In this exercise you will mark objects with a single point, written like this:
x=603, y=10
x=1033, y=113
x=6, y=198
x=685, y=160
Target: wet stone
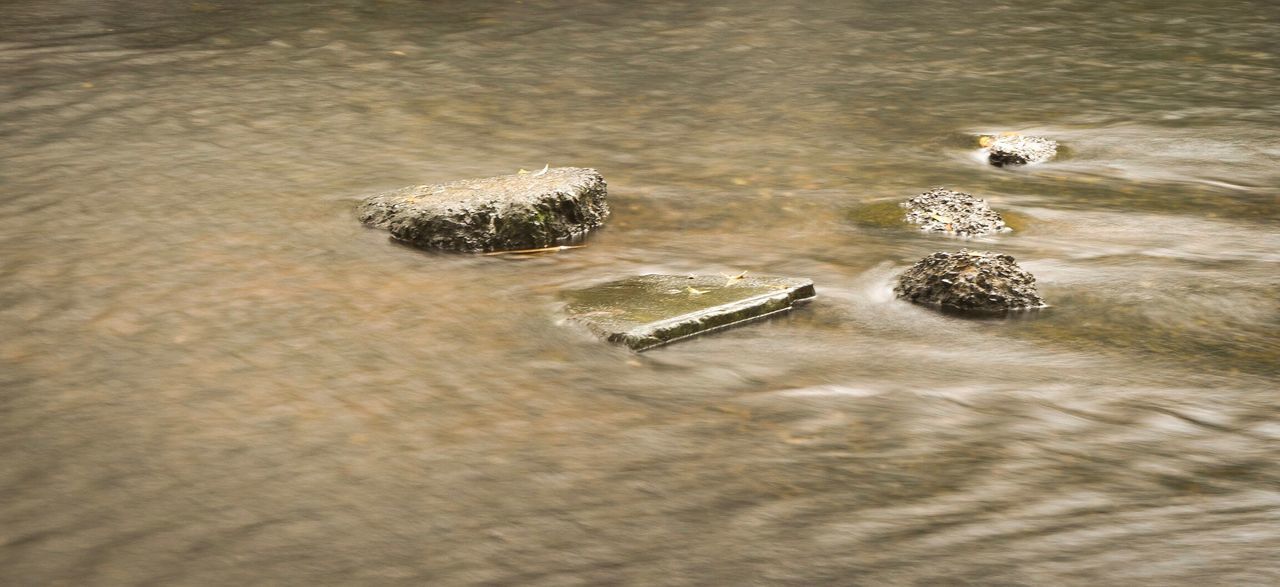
x=652, y=310
x=958, y=213
x=1016, y=149
x=508, y=212
x=969, y=281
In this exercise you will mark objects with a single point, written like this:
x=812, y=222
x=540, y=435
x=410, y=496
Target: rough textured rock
x=969, y=281
x=1016, y=149
x=958, y=213
x=651, y=310
x=507, y=212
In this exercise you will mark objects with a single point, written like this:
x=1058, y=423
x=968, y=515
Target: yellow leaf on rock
x=729, y=279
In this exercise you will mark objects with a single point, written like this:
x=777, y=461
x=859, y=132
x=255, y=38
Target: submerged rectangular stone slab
x=508, y=212
x=651, y=310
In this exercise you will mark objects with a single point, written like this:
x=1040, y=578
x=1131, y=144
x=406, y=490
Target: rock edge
x=648, y=311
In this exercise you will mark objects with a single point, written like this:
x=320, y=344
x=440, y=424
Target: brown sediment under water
x=211, y=373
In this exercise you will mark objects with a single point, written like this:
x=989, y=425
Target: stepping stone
x=652, y=310
x=1016, y=149
x=958, y=213
x=508, y=212
x=969, y=281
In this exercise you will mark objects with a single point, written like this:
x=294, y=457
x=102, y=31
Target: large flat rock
x=508, y=212
x=652, y=310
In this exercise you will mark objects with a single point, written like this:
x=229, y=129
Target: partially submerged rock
x=508, y=212
x=1016, y=149
x=970, y=281
x=958, y=213
x=651, y=310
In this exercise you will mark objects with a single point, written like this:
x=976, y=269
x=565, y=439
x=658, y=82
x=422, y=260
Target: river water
x=211, y=374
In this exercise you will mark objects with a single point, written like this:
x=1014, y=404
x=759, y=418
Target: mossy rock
x=508, y=212
x=652, y=310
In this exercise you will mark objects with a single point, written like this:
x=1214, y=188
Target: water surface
x=211, y=374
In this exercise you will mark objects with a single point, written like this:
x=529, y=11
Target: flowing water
x=211, y=374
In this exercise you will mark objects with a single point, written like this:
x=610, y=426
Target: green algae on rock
x=883, y=214
x=519, y=211
x=651, y=310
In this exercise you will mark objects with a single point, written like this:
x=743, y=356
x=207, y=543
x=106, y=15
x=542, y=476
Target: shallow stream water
x=211, y=374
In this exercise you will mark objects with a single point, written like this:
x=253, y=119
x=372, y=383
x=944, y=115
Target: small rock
x=970, y=281
x=1016, y=149
x=652, y=310
x=958, y=213
x=508, y=212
